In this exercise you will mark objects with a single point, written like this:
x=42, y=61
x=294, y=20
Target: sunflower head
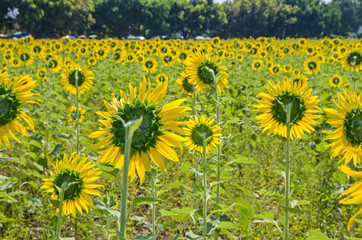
x=185, y=86
x=199, y=69
x=162, y=78
x=79, y=175
x=151, y=140
x=274, y=116
x=336, y=81
x=199, y=130
x=76, y=75
x=150, y=65
x=72, y=116
x=353, y=61
x=348, y=123
x=311, y=65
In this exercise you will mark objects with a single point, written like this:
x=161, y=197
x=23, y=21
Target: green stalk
x=218, y=170
x=59, y=222
x=287, y=173
x=205, y=188
x=108, y=226
x=153, y=205
x=77, y=114
x=124, y=188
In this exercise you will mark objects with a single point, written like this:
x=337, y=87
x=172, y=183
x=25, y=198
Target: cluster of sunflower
x=160, y=132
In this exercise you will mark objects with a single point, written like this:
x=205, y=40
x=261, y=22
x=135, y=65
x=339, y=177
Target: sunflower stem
x=205, y=187
x=130, y=127
x=153, y=205
x=59, y=222
x=218, y=170
x=77, y=114
x=287, y=172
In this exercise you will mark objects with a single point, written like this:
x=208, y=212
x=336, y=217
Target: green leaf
x=192, y=235
x=143, y=238
x=108, y=171
x=144, y=200
x=227, y=225
x=316, y=235
x=269, y=216
x=245, y=160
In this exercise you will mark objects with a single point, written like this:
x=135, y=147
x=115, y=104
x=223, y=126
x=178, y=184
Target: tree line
x=190, y=18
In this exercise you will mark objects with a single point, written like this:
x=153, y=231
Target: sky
x=221, y=1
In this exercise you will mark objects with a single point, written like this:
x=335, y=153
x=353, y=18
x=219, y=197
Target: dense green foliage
x=238, y=18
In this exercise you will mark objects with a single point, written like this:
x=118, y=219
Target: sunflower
x=353, y=61
x=257, y=64
x=273, y=117
x=354, y=192
x=275, y=69
x=184, y=85
x=152, y=140
x=300, y=80
x=287, y=68
x=168, y=59
x=336, y=81
x=72, y=116
x=41, y=74
x=312, y=65
x=196, y=128
x=73, y=170
x=348, y=135
x=68, y=79
x=150, y=65
x=13, y=94
x=26, y=58
x=162, y=78
x=200, y=76
x=54, y=63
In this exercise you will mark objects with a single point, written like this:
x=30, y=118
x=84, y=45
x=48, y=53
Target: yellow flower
x=41, y=74
x=72, y=116
x=162, y=78
x=354, y=192
x=353, y=60
x=153, y=139
x=184, y=85
x=348, y=135
x=300, y=80
x=150, y=65
x=13, y=95
x=69, y=75
x=73, y=170
x=257, y=64
x=196, y=128
x=273, y=117
x=312, y=65
x=336, y=81
x=201, y=77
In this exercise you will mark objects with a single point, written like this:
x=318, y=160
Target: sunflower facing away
x=72, y=116
x=83, y=173
x=201, y=77
x=354, y=192
x=336, y=81
x=273, y=117
x=13, y=94
x=184, y=85
x=348, y=121
x=153, y=139
x=202, y=126
x=69, y=76
x=353, y=61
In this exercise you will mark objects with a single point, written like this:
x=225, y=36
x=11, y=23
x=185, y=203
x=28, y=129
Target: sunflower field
x=181, y=139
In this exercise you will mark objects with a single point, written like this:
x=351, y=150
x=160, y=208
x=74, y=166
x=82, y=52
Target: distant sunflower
x=150, y=65
x=41, y=74
x=273, y=117
x=257, y=64
x=354, y=192
x=353, y=61
x=312, y=65
x=200, y=76
x=153, y=139
x=275, y=69
x=162, y=78
x=13, y=95
x=184, y=85
x=336, y=81
x=26, y=58
x=73, y=170
x=348, y=135
x=300, y=80
x=72, y=116
x=202, y=126
x=68, y=79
